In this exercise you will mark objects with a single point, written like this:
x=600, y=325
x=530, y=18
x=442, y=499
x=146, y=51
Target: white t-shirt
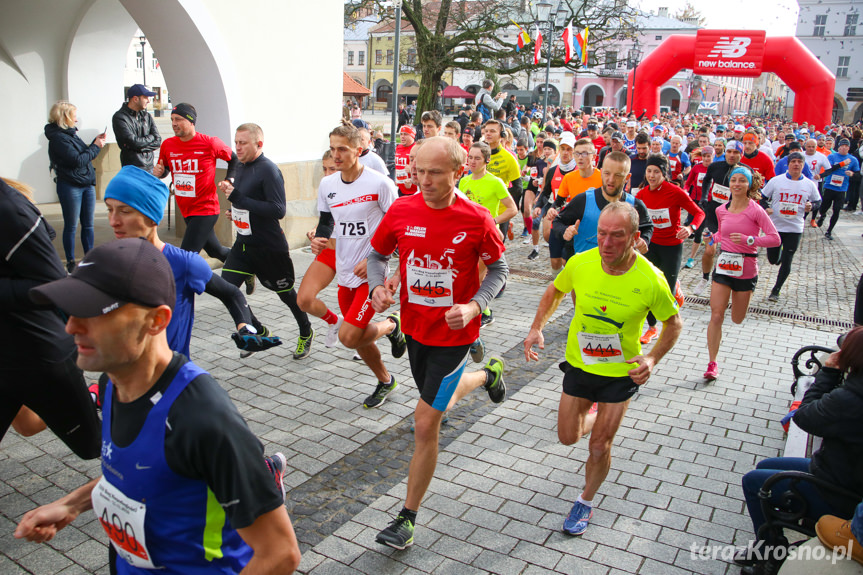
x=767, y=148
x=788, y=199
x=375, y=162
x=357, y=209
x=816, y=162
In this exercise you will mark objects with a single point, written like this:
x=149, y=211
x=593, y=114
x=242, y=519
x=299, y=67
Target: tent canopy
x=456, y=92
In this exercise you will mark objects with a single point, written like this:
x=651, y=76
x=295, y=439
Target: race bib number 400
x=122, y=519
x=428, y=287
x=184, y=185
x=720, y=194
x=600, y=348
x=730, y=264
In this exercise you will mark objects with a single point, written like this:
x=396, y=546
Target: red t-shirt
x=663, y=205
x=694, y=181
x=438, y=264
x=403, y=174
x=599, y=144
x=193, y=167
x=761, y=163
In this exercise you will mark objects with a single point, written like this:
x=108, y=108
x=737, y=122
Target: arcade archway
x=743, y=53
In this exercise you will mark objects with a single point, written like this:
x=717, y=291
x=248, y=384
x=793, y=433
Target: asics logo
x=728, y=47
x=459, y=238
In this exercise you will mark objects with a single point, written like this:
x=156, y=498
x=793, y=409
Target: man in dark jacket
x=135, y=130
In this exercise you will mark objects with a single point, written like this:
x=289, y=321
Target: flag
x=581, y=45
x=703, y=92
x=689, y=91
x=523, y=38
x=568, y=43
x=537, y=45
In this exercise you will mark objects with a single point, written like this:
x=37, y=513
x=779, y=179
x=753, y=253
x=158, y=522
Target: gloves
x=786, y=421
x=248, y=341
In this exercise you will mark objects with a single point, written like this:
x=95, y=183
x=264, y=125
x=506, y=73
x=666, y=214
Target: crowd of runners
x=611, y=201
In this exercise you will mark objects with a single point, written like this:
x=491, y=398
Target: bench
x=798, y=443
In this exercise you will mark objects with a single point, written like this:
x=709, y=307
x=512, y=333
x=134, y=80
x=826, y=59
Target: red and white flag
x=568, y=40
x=537, y=45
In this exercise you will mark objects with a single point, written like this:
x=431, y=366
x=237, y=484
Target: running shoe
x=525, y=233
x=277, y=464
x=701, y=287
x=509, y=233
x=593, y=409
x=398, y=535
x=357, y=356
x=820, y=222
x=651, y=334
x=814, y=224
x=858, y=213
x=712, y=371
x=578, y=520
x=250, y=284
x=678, y=295
x=487, y=318
x=496, y=387
x=534, y=253
x=304, y=346
x=396, y=337
x=774, y=296
x=477, y=351
x=828, y=236
x=380, y=394
x=333, y=333
x=264, y=333
x=690, y=263
x=527, y=240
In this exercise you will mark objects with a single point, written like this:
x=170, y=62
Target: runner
x=403, y=151
x=441, y=238
x=714, y=193
x=321, y=273
x=368, y=157
x=843, y=167
x=740, y=223
x=694, y=188
x=352, y=204
x=190, y=157
x=165, y=488
x=503, y=165
x=789, y=196
x=678, y=162
x=257, y=199
x=614, y=287
x=755, y=158
x=664, y=201
x=553, y=183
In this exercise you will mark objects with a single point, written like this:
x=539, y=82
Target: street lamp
x=143, y=40
x=634, y=57
x=544, y=13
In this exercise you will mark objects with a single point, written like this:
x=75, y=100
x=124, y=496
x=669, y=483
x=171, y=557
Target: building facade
x=142, y=67
x=831, y=30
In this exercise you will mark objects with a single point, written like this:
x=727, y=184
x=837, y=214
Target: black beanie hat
x=658, y=160
x=187, y=111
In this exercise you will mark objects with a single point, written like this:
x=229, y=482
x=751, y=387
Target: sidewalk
x=503, y=483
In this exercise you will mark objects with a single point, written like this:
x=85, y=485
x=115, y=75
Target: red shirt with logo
x=663, y=205
x=761, y=163
x=439, y=251
x=193, y=168
x=403, y=174
x=694, y=181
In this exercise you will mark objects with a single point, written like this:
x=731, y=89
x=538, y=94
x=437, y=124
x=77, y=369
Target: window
x=378, y=56
x=154, y=63
x=362, y=58
x=610, y=60
x=659, y=37
x=139, y=60
x=412, y=57
x=850, y=25
x=820, y=24
x=842, y=69
x=389, y=57
x=350, y=57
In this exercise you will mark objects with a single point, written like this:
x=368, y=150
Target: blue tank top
x=586, y=237
x=186, y=530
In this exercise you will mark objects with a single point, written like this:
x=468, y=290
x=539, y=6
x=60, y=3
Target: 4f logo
x=728, y=47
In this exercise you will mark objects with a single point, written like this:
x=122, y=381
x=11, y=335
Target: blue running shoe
x=579, y=518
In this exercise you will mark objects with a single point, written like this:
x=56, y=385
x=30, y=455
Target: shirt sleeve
x=491, y=246
x=771, y=237
x=220, y=149
x=384, y=241
x=198, y=272
x=663, y=305
x=387, y=195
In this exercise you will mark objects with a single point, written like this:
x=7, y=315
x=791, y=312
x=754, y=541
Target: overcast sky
x=778, y=17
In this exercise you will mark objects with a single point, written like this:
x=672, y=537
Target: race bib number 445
x=429, y=287
x=122, y=519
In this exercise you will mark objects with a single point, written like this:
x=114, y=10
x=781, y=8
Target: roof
x=430, y=12
x=648, y=21
x=358, y=30
x=351, y=87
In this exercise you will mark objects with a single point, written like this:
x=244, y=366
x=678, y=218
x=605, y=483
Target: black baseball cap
x=129, y=270
x=139, y=90
x=617, y=136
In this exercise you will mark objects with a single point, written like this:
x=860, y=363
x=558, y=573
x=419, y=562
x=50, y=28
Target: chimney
x=663, y=12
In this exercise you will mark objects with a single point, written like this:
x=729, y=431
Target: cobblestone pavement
x=503, y=483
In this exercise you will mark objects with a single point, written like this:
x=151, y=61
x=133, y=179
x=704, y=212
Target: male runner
x=403, y=151
x=431, y=121
x=789, y=196
x=352, y=204
x=614, y=287
x=836, y=184
x=638, y=162
x=755, y=158
x=678, y=162
x=441, y=238
x=555, y=183
x=257, y=199
x=183, y=488
x=368, y=157
x=502, y=164
x=191, y=157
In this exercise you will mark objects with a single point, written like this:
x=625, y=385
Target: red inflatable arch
x=745, y=53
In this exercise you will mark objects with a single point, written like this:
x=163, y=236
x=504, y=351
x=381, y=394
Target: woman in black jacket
x=833, y=410
x=72, y=162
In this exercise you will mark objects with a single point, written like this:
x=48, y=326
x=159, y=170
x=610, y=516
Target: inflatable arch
x=744, y=53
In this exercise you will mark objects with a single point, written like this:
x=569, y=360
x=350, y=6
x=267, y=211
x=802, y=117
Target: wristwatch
x=693, y=228
x=750, y=241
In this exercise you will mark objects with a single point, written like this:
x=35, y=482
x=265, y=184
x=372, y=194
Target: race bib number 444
x=429, y=287
x=122, y=519
x=600, y=348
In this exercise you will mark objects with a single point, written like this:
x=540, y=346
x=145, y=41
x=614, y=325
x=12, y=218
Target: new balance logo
x=728, y=47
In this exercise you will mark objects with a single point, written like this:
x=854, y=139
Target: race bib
x=533, y=173
x=357, y=229
x=660, y=218
x=428, y=287
x=700, y=179
x=836, y=180
x=402, y=176
x=184, y=185
x=241, y=221
x=600, y=348
x=672, y=164
x=720, y=194
x=788, y=210
x=122, y=519
x=730, y=264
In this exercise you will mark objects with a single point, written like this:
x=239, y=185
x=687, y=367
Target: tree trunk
x=429, y=84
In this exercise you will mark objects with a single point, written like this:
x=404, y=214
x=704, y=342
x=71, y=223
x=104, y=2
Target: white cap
x=568, y=139
x=632, y=124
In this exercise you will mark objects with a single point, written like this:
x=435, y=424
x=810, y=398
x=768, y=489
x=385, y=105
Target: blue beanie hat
x=141, y=190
